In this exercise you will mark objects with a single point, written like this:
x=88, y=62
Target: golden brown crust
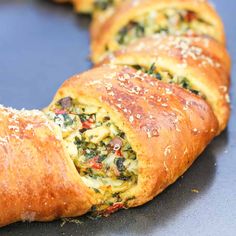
x=130, y=9
x=166, y=126
x=38, y=181
x=203, y=61
x=81, y=6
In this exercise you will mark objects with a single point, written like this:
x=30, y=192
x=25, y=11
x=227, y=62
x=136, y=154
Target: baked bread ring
x=135, y=19
x=197, y=62
x=128, y=134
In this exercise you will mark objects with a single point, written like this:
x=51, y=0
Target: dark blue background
x=42, y=44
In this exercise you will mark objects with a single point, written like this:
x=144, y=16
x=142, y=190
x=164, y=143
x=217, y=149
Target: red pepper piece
x=118, y=153
x=95, y=164
x=115, y=207
x=59, y=112
x=87, y=124
x=190, y=16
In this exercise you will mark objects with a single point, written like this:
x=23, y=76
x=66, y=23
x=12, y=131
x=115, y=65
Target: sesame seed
x=227, y=98
x=164, y=105
x=186, y=151
x=166, y=167
x=131, y=119
x=119, y=105
x=111, y=93
x=167, y=150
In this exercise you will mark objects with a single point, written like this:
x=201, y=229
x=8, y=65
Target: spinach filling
x=166, y=76
x=133, y=29
x=102, y=5
x=100, y=151
x=168, y=21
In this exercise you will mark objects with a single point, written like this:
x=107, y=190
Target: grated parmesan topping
x=185, y=45
x=131, y=83
x=14, y=117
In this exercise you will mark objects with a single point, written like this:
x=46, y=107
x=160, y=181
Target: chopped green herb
x=96, y=190
x=132, y=28
x=121, y=35
x=120, y=164
x=184, y=83
x=89, y=153
x=137, y=67
x=139, y=30
x=127, y=147
x=77, y=141
x=158, y=76
x=83, y=117
x=152, y=69
x=103, y=4
x=124, y=178
x=127, y=200
x=194, y=91
x=65, y=118
x=101, y=158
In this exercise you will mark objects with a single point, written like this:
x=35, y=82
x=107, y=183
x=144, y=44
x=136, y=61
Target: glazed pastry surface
x=196, y=63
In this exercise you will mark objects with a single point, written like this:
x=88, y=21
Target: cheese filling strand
x=99, y=149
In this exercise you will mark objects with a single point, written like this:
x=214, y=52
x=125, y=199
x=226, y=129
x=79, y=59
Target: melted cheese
x=96, y=135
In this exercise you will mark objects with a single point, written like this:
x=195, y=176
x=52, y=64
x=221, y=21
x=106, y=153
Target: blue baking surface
x=42, y=44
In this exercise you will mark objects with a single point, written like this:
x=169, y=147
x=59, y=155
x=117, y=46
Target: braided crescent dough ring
x=105, y=37
x=38, y=177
